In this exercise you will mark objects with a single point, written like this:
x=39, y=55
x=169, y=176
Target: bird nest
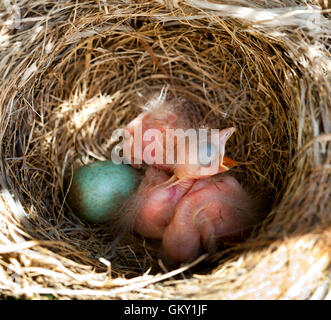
x=73, y=72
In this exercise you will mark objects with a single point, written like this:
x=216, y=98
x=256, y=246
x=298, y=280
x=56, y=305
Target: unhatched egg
x=99, y=189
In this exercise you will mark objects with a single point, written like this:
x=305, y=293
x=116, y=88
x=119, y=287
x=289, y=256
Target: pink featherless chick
x=156, y=202
x=194, y=210
x=161, y=115
x=192, y=214
x=150, y=209
x=214, y=209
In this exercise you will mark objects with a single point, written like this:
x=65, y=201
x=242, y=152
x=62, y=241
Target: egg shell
x=100, y=188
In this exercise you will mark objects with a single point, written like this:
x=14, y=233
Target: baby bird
x=171, y=150
x=190, y=215
x=154, y=202
x=197, y=206
x=214, y=209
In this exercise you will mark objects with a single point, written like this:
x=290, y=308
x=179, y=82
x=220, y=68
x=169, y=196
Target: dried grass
x=75, y=71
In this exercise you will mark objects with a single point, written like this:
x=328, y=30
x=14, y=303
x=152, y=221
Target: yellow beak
x=227, y=163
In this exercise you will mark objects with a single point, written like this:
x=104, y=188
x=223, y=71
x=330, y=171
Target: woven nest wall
x=72, y=72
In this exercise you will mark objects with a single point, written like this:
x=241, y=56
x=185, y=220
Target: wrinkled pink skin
x=169, y=120
x=157, y=202
x=192, y=214
x=148, y=120
x=213, y=209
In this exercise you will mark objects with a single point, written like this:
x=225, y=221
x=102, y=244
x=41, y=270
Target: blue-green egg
x=99, y=189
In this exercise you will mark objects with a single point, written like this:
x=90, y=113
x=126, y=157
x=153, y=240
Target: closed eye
x=208, y=153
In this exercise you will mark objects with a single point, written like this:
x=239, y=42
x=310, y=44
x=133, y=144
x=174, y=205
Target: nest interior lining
x=76, y=86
